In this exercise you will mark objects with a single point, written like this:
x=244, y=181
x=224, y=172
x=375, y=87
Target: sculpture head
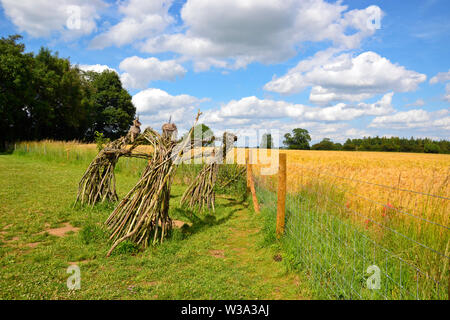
x=136, y=122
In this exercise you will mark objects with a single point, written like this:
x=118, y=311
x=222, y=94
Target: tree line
x=300, y=139
x=43, y=96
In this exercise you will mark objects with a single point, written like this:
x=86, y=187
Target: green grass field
x=221, y=256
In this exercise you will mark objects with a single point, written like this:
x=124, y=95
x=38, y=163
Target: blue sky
x=339, y=69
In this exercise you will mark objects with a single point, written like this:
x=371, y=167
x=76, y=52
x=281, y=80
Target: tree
x=59, y=110
x=43, y=96
x=431, y=147
x=203, y=133
x=112, y=111
x=299, y=140
x=325, y=144
x=266, y=141
x=16, y=92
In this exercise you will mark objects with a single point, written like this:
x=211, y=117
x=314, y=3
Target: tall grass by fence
x=349, y=246
x=81, y=154
x=75, y=153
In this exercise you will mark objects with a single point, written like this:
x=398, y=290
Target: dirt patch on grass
x=149, y=283
x=179, y=224
x=32, y=244
x=61, y=232
x=217, y=253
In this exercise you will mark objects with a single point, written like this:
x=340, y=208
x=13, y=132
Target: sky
x=340, y=69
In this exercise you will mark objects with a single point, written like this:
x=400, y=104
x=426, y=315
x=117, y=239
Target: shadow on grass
x=201, y=222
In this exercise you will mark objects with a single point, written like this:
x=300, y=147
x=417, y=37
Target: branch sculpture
x=98, y=183
x=200, y=192
x=143, y=215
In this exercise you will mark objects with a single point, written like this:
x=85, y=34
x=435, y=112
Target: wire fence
x=351, y=243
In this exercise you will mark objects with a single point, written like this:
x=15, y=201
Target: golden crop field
x=373, y=182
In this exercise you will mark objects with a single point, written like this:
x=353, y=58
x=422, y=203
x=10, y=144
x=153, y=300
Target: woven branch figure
x=98, y=183
x=200, y=192
x=143, y=215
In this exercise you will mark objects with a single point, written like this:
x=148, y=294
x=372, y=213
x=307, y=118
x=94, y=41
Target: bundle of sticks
x=98, y=182
x=200, y=193
x=143, y=215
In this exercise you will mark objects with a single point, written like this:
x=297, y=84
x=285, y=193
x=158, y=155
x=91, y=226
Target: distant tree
x=431, y=147
x=112, y=110
x=298, y=140
x=349, y=146
x=203, y=133
x=325, y=144
x=266, y=141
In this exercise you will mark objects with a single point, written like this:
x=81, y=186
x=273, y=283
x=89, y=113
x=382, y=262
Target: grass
x=332, y=253
x=216, y=257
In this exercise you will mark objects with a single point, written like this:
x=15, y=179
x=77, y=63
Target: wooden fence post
x=251, y=184
x=281, y=203
x=247, y=162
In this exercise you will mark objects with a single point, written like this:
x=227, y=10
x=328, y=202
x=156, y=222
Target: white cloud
x=156, y=106
x=141, y=19
x=234, y=33
x=447, y=93
x=417, y=103
x=417, y=118
x=95, y=67
x=253, y=111
x=140, y=72
x=346, y=78
x=41, y=18
x=440, y=77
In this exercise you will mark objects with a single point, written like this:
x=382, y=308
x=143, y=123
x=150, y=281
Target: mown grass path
x=217, y=257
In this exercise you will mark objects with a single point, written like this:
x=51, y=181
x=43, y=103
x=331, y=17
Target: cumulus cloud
x=447, y=93
x=232, y=34
x=41, y=18
x=141, y=19
x=156, y=106
x=254, y=111
x=417, y=118
x=345, y=78
x=95, y=67
x=440, y=77
x=139, y=72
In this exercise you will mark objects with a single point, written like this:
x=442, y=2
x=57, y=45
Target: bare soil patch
x=217, y=253
x=61, y=232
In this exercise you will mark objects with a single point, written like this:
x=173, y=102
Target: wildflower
x=386, y=209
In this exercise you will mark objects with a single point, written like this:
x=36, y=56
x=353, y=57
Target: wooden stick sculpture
x=143, y=215
x=201, y=191
x=98, y=183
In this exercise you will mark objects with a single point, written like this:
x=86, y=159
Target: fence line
x=333, y=244
x=375, y=184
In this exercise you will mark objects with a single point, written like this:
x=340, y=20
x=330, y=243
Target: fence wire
x=351, y=246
